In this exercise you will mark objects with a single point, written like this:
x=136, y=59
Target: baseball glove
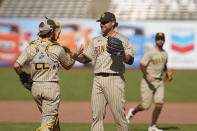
x=115, y=47
x=26, y=80
x=169, y=76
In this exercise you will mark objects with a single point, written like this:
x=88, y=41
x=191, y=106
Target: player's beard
x=105, y=30
x=160, y=46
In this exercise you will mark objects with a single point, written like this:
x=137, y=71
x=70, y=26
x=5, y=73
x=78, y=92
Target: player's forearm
x=143, y=69
x=17, y=68
x=82, y=59
x=74, y=57
x=128, y=59
x=70, y=65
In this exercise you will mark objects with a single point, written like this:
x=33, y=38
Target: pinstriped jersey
x=103, y=61
x=43, y=71
x=155, y=61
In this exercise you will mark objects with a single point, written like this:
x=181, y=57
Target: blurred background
x=139, y=20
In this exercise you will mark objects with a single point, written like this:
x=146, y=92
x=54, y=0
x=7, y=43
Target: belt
x=107, y=74
x=157, y=78
x=47, y=81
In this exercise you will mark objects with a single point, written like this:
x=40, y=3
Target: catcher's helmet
x=48, y=25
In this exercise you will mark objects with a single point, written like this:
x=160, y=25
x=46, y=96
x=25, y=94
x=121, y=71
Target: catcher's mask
x=50, y=25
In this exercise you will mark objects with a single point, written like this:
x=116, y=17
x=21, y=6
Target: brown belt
x=156, y=78
x=107, y=74
x=47, y=81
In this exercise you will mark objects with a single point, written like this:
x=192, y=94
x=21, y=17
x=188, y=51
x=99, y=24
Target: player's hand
x=149, y=78
x=169, y=76
x=78, y=49
x=76, y=52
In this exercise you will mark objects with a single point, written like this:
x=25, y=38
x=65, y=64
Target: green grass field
x=86, y=127
x=76, y=85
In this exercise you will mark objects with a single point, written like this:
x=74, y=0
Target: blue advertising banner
x=16, y=33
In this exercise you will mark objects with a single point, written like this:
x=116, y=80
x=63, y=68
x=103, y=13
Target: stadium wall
x=181, y=43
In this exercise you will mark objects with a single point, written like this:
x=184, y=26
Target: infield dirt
x=80, y=112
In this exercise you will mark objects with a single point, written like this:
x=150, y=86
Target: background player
x=109, y=82
x=45, y=54
x=152, y=65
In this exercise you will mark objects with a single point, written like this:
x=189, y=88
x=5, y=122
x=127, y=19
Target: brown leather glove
x=169, y=76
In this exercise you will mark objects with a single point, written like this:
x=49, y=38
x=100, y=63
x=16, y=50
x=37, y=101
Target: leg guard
x=159, y=106
x=156, y=113
x=54, y=125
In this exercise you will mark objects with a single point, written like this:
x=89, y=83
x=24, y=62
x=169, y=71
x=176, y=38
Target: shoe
x=129, y=115
x=154, y=128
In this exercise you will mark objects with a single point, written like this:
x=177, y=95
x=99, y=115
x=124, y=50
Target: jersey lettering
x=41, y=66
x=99, y=49
x=159, y=60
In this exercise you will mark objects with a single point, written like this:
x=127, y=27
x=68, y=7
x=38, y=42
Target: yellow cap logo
x=160, y=34
x=103, y=15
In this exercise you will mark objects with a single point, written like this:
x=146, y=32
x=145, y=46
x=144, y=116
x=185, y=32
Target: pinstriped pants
x=147, y=94
x=108, y=90
x=47, y=97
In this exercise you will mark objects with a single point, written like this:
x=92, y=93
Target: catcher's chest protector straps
x=42, y=56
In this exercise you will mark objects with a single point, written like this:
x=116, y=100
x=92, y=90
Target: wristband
x=74, y=57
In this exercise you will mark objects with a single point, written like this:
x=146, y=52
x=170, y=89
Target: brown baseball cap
x=107, y=16
x=160, y=35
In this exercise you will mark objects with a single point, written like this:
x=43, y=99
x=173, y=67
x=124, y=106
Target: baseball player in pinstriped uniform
x=109, y=82
x=153, y=64
x=44, y=55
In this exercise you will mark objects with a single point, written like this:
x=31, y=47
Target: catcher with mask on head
x=45, y=55
x=109, y=52
x=153, y=64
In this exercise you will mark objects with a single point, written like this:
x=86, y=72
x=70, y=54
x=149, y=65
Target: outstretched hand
x=78, y=49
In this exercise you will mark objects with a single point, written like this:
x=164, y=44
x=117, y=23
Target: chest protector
x=42, y=56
